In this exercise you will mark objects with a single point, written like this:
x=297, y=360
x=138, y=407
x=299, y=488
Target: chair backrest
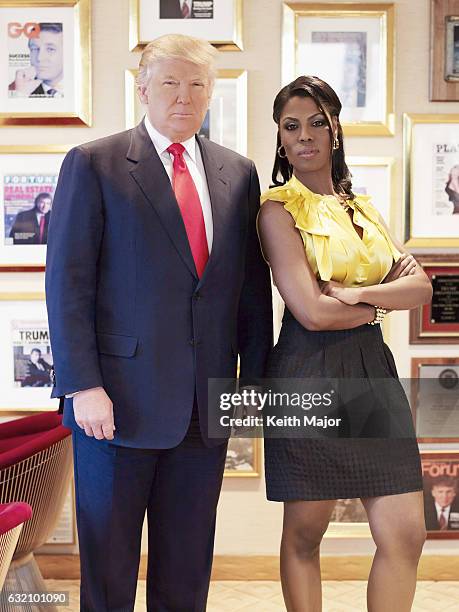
x=12, y=517
x=35, y=467
x=13, y=514
x=24, y=437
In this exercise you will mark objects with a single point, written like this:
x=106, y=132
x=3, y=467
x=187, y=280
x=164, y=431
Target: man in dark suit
x=441, y=506
x=31, y=226
x=44, y=77
x=185, y=9
x=38, y=371
x=157, y=290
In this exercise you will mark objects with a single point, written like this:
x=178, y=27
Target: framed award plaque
x=435, y=398
x=438, y=321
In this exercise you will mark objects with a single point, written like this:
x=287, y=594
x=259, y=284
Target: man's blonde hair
x=177, y=46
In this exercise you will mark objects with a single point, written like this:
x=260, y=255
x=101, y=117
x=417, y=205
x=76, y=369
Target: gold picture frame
x=340, y=22
x=230, y=98
x=13, y=160
x=45, y=110
x=243, y=452
x=347, y=527
x=429, y=144
x=231, y=42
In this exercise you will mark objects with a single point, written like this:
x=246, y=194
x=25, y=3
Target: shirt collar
x=161, y=142
x=437, y=505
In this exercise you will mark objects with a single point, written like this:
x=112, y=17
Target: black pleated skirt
x=334, y=468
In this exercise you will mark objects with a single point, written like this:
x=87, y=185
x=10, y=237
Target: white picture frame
x=25, y=172
x=24, y=329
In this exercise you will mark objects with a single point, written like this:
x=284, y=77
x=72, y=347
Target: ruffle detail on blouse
x=311, y=215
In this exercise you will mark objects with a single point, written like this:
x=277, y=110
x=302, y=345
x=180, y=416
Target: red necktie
x=190, y=207
x=185, y=9
x=442, y=520
x=42, y=228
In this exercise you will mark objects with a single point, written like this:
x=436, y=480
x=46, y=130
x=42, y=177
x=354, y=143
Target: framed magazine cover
x=431, y=180
x=25, y=376
x=45, y=62
x=440, y=474
x=243, y=458
x=226, y=119
x=28, y=178
x=348, y=520
x=435, y=398
x=351, y=47
x=218, y=21
x=375, y=176
x=438, y=321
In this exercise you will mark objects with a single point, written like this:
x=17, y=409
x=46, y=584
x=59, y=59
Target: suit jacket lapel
x=219, y=187
x=150, y=175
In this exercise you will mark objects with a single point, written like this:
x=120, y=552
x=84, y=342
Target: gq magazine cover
x=35, y=60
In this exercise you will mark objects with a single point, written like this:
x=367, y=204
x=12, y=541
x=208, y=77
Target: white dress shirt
x=445, y=512
x=190, y=6
x=193, y=159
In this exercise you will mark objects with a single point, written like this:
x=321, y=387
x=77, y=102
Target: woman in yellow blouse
x=338, y=271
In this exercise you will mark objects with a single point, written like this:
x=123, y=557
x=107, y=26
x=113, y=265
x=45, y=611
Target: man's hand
x=249, y=409
x=25, y=81
x=93, y=411
x=405, y=266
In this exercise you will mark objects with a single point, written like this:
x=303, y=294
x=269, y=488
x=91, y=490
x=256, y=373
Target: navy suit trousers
x=178, y=488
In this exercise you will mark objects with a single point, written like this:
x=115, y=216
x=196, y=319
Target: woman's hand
x=347, y=295
x=405, y=266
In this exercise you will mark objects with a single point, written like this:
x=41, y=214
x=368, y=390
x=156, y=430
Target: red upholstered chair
x=12, y=517
x=35, y=467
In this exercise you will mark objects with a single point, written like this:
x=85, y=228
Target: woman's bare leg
x=305, y=522
x=398, y=528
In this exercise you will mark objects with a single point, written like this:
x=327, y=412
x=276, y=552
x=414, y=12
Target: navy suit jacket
x=26, y=223
x=126, y=308
x=170, y=9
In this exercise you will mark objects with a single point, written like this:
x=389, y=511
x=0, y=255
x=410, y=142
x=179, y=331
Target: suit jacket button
x=191, y=341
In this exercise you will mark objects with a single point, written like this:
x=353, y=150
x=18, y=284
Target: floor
x=264, y=596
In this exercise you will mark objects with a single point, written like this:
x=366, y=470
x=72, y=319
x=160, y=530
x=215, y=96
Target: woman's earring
x=335, y=144
x=279, y=152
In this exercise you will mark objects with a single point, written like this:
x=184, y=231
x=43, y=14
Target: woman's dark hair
x=327, y=100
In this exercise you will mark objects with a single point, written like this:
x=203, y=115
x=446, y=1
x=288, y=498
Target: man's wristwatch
x=380, y=313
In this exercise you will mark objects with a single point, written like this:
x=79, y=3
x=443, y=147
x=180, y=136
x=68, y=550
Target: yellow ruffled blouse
x=333, y=248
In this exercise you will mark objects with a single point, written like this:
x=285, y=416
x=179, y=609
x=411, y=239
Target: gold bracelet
x=379, y=316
